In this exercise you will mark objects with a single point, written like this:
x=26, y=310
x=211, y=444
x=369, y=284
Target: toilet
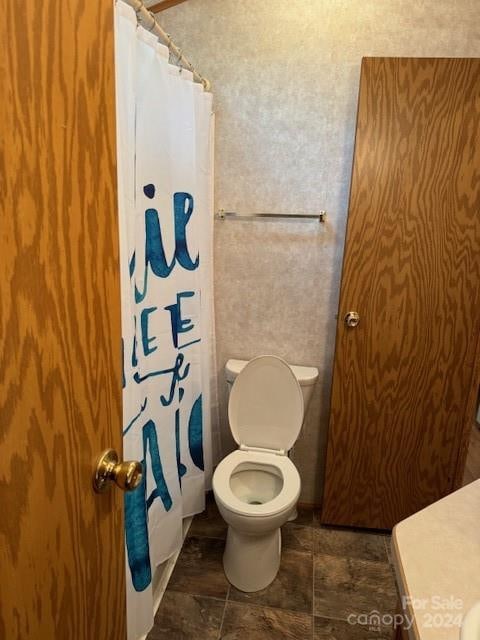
x=256, y=487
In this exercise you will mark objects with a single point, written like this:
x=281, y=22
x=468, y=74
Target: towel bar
x=232, y=215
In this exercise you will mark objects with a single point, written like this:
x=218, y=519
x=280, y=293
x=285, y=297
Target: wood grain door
x=61, y=546
x=406, y=378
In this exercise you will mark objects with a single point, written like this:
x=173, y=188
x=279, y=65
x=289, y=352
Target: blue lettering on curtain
x=161, y=489
x=182, y=469
x=182, y=217
x=195, y=434
x=176, y=378
x=134, y=347
x=154, y=249
x=124, y=382
x=138, y=503
x=147, y=350
x=136, y=535
x=133, y=420
x=179, y=324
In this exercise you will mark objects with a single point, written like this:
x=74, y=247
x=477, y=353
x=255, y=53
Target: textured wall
x=285, y=78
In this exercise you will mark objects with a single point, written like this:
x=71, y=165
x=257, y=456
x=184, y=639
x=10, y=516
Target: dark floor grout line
x=337, y=619
x=194, y=534
x=256, y=605
x=197, y=595
x=223, y=614
x=201, y=535
x=386, y=550
x=223, y=539
x=320, y=554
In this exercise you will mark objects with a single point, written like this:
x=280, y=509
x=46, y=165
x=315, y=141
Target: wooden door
x=61, y=546
x=406, y=378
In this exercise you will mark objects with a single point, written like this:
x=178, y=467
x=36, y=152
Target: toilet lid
x=265, y=408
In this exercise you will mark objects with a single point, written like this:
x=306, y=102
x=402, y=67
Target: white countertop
x=437, y=561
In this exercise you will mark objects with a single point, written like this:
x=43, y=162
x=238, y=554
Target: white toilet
x=257, y=486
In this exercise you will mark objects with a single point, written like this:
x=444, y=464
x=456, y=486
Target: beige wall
x=285, y=78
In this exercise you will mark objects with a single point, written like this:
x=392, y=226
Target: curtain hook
x=154, y=21
x=138, y=14
x=179, y=60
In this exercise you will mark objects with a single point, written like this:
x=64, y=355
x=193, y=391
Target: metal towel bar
x=232, y=215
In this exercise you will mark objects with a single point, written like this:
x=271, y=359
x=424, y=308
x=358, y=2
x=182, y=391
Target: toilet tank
x=306, y=376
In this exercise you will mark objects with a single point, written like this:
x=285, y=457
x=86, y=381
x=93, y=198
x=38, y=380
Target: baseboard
x=309, y=505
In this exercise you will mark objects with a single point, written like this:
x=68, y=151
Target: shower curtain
x=164, y=139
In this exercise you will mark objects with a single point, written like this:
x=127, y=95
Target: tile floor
x=326, y=574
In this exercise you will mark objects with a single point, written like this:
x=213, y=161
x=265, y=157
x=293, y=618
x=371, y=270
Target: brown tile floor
x=326, y=576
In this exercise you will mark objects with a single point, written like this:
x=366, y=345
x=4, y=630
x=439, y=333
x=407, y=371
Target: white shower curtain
x=164, y=138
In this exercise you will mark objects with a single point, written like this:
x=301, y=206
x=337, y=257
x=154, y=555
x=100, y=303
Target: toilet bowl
x=256, y=487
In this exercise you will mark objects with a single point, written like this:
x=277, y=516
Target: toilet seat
x=265, y=408
x=265, y=413
x=287, y=497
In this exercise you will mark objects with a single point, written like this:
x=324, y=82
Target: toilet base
x=251, y=562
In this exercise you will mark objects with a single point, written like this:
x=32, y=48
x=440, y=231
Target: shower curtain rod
x=148, y=21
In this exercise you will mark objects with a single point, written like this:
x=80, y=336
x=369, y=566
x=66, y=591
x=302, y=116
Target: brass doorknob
x=352, y=319
x=126, y=475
